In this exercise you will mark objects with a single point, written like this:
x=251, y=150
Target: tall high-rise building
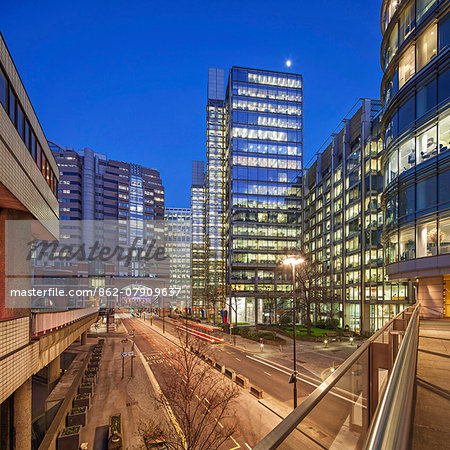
x=214, y=192
x=93, y=187
x=178, y=231
x=415, y=93
x=262, y=167
x=198, y=235
x=343, y=221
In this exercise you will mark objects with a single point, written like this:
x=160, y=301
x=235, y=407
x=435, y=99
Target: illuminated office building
x=198, y=235
x=262, y=167
x=343, y=221
x=177, y=230
x=415, y=92
x=214, y=192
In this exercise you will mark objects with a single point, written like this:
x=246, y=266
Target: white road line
x=306, y=381
x=238, y=359
x=267, y=373
x=248, y=446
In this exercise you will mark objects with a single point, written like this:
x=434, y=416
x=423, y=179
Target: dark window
x=406, y=201
x=20, y=119
x=444, y=32
x=443, y=187
x=38, y=154
x=33, y=145
x=3, y=86
x=406, y=114
x=27, y=135
x=12, y=106
x=443, y=86
x=426, y=193
x=426, y=99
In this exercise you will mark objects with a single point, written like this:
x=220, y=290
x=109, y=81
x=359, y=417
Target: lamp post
x=293, y=261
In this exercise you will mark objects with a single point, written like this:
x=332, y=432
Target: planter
x=82, y=400
x=115, y=430
x=89, y=379
x=86, y=388
x=91, y=373
x=69, y=438
x=77, y=416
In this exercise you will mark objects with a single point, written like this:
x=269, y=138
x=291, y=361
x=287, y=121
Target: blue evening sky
x=128, y=78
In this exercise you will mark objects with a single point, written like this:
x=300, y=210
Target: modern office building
x=178, y=232
x=93, y=187
x=214, y=191
x=343, y=222
x=30, y=340
x=198, y=236
x=415, y=93
x=262, y=167
x=112, y=203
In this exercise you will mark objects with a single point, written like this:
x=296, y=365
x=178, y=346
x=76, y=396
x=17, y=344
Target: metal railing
x=339, y=412
x=45, y=322
x=390, y=428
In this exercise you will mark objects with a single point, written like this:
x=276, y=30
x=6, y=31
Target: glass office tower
x=198, y=236
x=214, y=256
x=262, y=167
x=416, y=127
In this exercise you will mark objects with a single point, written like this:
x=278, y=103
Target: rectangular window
x=407, y=155
x=422, y=7
x=444, y=32
x=407, y=22
x=406, y=66
x=426, y=194
x=406, y=114
x=444, y=235
x=407, y=244
x=406, y=201
x=426, y=46
x=20, y=121
x=12, y=106
x=33, y=145
x=443, y=86
x=392, y=46
x=27, y=135
x=3, y=88
x=426, y=145
x=426, y=98
x=444, y=134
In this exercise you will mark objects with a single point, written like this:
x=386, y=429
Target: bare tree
x=312, y=290
x=201, y=401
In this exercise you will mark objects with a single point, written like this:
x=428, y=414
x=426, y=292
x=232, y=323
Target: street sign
x=125, y=354
x=131, y=333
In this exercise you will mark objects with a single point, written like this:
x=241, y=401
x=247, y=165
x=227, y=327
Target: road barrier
x=231, y=374
x=241, y=381
x=256, y=391
x=219, y=367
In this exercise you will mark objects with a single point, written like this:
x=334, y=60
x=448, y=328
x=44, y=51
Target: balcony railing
x=45, y=322
x=342, y=411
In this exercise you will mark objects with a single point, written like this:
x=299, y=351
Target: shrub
x=115, y=424
x=285, y=320
x=328, y=324
x=70, y=430
x=78, y=410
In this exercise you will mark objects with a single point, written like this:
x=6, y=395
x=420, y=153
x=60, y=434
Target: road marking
x=267, y=373
x=236, y=442
x=238, y=359
x=308, y=382
x=248, y=446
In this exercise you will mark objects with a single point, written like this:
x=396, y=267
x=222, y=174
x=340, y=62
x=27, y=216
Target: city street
x=327, y=424
x=254, y=419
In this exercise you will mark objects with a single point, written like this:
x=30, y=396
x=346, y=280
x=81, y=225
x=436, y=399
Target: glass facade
x=214, y=192
x=263, y=167
x=342, y=221
x=198, y=236
x=416, y=160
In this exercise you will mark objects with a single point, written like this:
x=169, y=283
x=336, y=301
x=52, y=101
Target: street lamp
x=293, y=261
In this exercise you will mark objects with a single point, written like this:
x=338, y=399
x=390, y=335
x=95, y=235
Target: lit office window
x=426, y=145
x=407, y=22
x=444, y=134
x=426, y=47
x=406, y=68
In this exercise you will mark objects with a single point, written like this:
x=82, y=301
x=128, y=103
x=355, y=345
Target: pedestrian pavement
x=431, y=427
x=133, y=398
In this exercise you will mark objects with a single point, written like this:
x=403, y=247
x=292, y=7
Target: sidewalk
x=133, y=398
